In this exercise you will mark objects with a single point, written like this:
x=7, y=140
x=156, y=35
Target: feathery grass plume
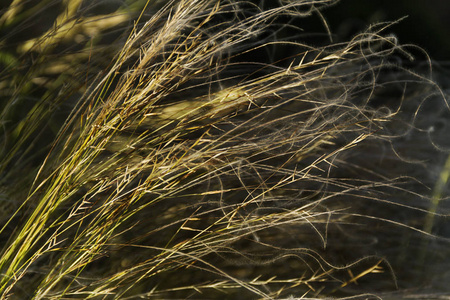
x=214, y=156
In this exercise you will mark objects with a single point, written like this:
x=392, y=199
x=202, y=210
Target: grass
x=197, y=149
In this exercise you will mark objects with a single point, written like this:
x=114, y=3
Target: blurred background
x=427, y=23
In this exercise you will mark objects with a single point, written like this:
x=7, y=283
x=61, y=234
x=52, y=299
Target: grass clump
x=197, y=149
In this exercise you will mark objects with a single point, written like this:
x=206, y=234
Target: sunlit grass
x=166, y=154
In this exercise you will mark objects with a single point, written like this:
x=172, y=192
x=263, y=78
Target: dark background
x=427, y=24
